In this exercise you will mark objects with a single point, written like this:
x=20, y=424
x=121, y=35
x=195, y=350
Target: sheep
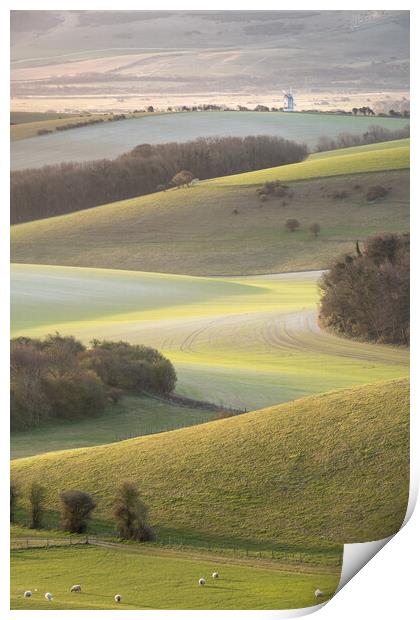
x=48, y=596
x=201, y=581
x=76, y=588
x=319, y=593
x=215, y=575
x=27, y=594
x=117, y=598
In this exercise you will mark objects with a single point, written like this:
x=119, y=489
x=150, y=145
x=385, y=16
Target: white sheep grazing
x=117, y=598
x=201, y=581
x=76, y=588
x=48, y=596
x=319, y=593
x=27, y=594
x=215, y=575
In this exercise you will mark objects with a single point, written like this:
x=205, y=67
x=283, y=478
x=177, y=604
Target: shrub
x=182, y=178
x=263, y=197
x=339, y=195
x=292, y=225
x=315, y=229
x=280, y=192
x=44, y=132
x=77, y=395
x=366, y=295
x=36, y=501
x=76, y=509
x=130, y=514
x=275, y=188
x=13, y=501
x=130, y=367
x=376, y=192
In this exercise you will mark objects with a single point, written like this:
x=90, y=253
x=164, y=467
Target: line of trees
x=366, y=294
x=130, y=513
x=374, y=134
x=53, y=190
x=363, y=110
x=78, y=124
x=59, y=377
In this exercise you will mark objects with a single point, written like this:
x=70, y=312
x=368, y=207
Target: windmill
x=288, y=101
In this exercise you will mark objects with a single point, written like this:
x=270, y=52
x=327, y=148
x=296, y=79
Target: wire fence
x=326, y=558
x=38, y=542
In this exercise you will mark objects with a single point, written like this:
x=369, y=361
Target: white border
x=387, y=586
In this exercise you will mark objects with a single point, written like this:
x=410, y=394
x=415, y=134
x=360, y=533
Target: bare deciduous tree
x=130, y=514
x=37, y=507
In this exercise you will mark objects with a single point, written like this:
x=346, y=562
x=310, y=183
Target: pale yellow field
x=245, y=342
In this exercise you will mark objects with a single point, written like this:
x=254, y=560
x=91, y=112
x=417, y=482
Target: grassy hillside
x=249, y=342
x=392, y=155
x=132, y=416
x=168, y=581
x=221, y=227
x=329, y=468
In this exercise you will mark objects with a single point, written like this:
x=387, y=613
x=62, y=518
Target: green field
x=149, y=579
x=221, y=227
x=243, y=342
x=133, y=416
x=111, y=140
x=322, y=470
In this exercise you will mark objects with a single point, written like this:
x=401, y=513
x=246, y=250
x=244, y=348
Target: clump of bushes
x=376, y=192
x=315, y=229
x=292, y=224
x=129, y=367
x=59, y=377
x=44, y=132
x=273, y=188
x=37, y=495
x=76, y=510
x=366, y=294
x=130, y=514
x=14, y=495
x=182, y=179
x=339, y=195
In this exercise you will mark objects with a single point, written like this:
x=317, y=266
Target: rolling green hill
x=246, y=342
x=321, y=470
x=392, y=155
x=220, y=227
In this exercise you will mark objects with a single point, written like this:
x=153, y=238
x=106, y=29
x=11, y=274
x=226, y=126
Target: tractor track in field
x=288, y=333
